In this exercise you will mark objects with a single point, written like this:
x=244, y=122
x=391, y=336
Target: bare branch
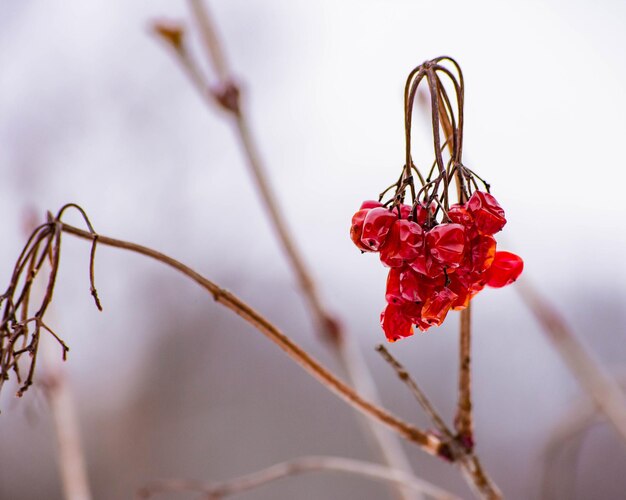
x=227, y=94
x=428, y=442
x=295, y=467
x=603, y=389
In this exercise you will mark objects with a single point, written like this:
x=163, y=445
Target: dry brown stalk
x=226, y=94
x=469, y=463
x=294, y=467
x=428, y=442
x=599, y=385
x=464, y=420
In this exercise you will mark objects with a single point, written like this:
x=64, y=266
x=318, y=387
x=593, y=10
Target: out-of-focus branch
x=298, y=466
x=603, y=389
x=426, y=441
x=71, y=459
x=226, y=94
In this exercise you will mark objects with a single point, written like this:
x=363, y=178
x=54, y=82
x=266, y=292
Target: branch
x=298, y=466
x=469, y=463
x=603, y=389
x=226, y=94
x=70, y=452
x=427, y=442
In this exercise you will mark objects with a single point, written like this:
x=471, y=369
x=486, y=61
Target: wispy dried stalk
x=294, y=467
x=600, y=386
x=71, y=457
x=226, y=94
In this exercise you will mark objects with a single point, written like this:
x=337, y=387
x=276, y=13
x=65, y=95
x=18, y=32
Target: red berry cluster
x=434, y=267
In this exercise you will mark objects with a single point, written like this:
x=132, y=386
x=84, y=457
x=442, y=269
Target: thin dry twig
x=227, y=94
x=464, y=420
x=294, y=467
x=420, y=396
x=428, y=442
x=467, y=460
x=600, y=386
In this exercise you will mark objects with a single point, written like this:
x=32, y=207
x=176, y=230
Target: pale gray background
x=94, y=111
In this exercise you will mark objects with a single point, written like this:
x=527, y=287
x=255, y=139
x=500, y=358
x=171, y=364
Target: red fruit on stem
x=460, y=215
x=404, y=242
x=487, y=212
x=446, y=243
x=460, y=285
x=426, y=265
x=415, y=287
x=405, y=211
x=505, y=269
x=356, y=229
x=371, y=204
x=436, y=307
x=482, y=252
x=393, y=294
x=376, y=226
x=395, y=324
x=412, y=311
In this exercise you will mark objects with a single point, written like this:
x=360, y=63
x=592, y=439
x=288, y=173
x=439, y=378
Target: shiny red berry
x=416, y=287
x=376, y=226
x=487, y=212
x=460, y=215
x=371, y=204
x=446, y=243
x=505, y=269
x=404, y=243
x=436, y=308
x=393, y=293
x=395, y=324
x=356, y=229
x=482, y=252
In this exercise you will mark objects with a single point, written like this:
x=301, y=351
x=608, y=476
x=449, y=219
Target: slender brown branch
x=226, y=93
x=421, y=397
x=295, y=467
x=469, y=463
x=428, y=442
x=463, y=421
x=603, y=389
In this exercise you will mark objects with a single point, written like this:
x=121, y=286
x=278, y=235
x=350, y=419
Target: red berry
x=393, y=294
x=395, y=324
x=404, y=242
x=460, y=215
x=436, y=308
x=356, y=229
x=415, y=287
x=446, y=243
x=505, y=269
x=482, y=252
x=405, y=211
x=487, y=212
x=460, y=285
x=376, y=226
x=412, y=311
x=371, y=204
x=426, y=265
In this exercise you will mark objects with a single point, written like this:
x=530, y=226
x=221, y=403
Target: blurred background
x=95, y=111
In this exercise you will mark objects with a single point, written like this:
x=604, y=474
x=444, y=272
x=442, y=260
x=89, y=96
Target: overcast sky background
x=95, y=111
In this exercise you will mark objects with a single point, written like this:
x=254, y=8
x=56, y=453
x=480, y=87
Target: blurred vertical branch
x=71, y=457
x=599, y=385
x=226, y=94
